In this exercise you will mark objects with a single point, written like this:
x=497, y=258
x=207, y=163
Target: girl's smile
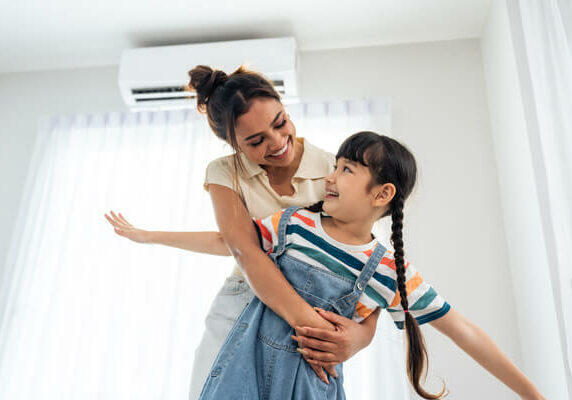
x=331, y=194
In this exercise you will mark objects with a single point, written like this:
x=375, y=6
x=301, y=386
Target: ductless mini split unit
x=155, y=78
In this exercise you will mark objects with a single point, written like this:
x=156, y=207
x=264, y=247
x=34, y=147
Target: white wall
x=538, y=328
x=454, y=228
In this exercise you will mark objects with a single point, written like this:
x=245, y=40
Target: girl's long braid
x=397, y=241
x=417, y=358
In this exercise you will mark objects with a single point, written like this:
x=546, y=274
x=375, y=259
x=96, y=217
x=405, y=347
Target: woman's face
x=265, y=133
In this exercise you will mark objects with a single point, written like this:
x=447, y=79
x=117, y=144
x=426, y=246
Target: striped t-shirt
x=307, y=241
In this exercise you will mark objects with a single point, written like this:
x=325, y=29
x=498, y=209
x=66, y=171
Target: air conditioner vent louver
x=158, y=99
x=165, y=89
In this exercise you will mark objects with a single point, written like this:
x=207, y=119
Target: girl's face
x=265, y=134
x=347, y=195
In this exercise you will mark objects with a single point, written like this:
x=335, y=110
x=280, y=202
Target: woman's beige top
x=254, y=188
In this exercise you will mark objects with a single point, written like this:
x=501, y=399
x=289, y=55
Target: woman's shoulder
x=218, y=172
x=221, y=162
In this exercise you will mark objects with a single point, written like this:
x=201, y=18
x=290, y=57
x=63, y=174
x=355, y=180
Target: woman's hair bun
x=204, y=80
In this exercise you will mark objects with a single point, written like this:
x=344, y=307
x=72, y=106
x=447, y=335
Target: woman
x=270, y=170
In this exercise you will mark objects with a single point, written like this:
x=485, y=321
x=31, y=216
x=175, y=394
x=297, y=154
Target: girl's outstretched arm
x=199, y=242
x=476, y=343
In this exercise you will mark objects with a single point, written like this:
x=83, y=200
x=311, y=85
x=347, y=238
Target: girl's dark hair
x=224, y=98
x=391, y=162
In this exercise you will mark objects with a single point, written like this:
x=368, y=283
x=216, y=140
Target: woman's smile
x=283, y=152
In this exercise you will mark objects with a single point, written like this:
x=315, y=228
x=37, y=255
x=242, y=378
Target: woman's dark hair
x=224, y=98
x=391, y=162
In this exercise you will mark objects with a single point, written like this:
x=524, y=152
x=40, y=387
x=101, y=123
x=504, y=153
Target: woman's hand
x=322, y=374
x=125, y=229
x=326, y=348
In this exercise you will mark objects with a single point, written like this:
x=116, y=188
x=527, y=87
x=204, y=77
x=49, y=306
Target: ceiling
x=58, y=34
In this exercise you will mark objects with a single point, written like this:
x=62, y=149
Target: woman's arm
x=199, y=242
x=476, y=343
x=267, y=281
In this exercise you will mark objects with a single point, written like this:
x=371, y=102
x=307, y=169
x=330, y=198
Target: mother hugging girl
x=263, y=336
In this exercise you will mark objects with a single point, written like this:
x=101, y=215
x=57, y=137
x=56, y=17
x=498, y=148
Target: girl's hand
x=125, y=229
x=326, y=348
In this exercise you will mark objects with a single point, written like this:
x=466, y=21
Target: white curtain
x=88, y=314
x=543, y=43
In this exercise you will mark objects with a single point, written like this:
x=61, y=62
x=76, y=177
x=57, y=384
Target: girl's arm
x=238, y=231
x=476, y=343
x=199, y=242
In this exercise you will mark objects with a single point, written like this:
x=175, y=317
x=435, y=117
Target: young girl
x=328, y=254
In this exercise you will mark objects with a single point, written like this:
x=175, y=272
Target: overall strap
x=346, y=305
x=282, y=225
x=369, y=269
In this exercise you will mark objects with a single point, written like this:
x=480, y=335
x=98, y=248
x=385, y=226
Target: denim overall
x=259, y=359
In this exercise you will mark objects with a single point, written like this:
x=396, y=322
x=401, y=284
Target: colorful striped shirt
x=307, y=241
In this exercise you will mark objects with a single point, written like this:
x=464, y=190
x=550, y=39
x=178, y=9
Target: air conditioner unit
x=155, y=78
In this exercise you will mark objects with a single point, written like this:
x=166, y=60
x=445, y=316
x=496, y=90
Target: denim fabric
x=259, y=359
x=230, y=301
